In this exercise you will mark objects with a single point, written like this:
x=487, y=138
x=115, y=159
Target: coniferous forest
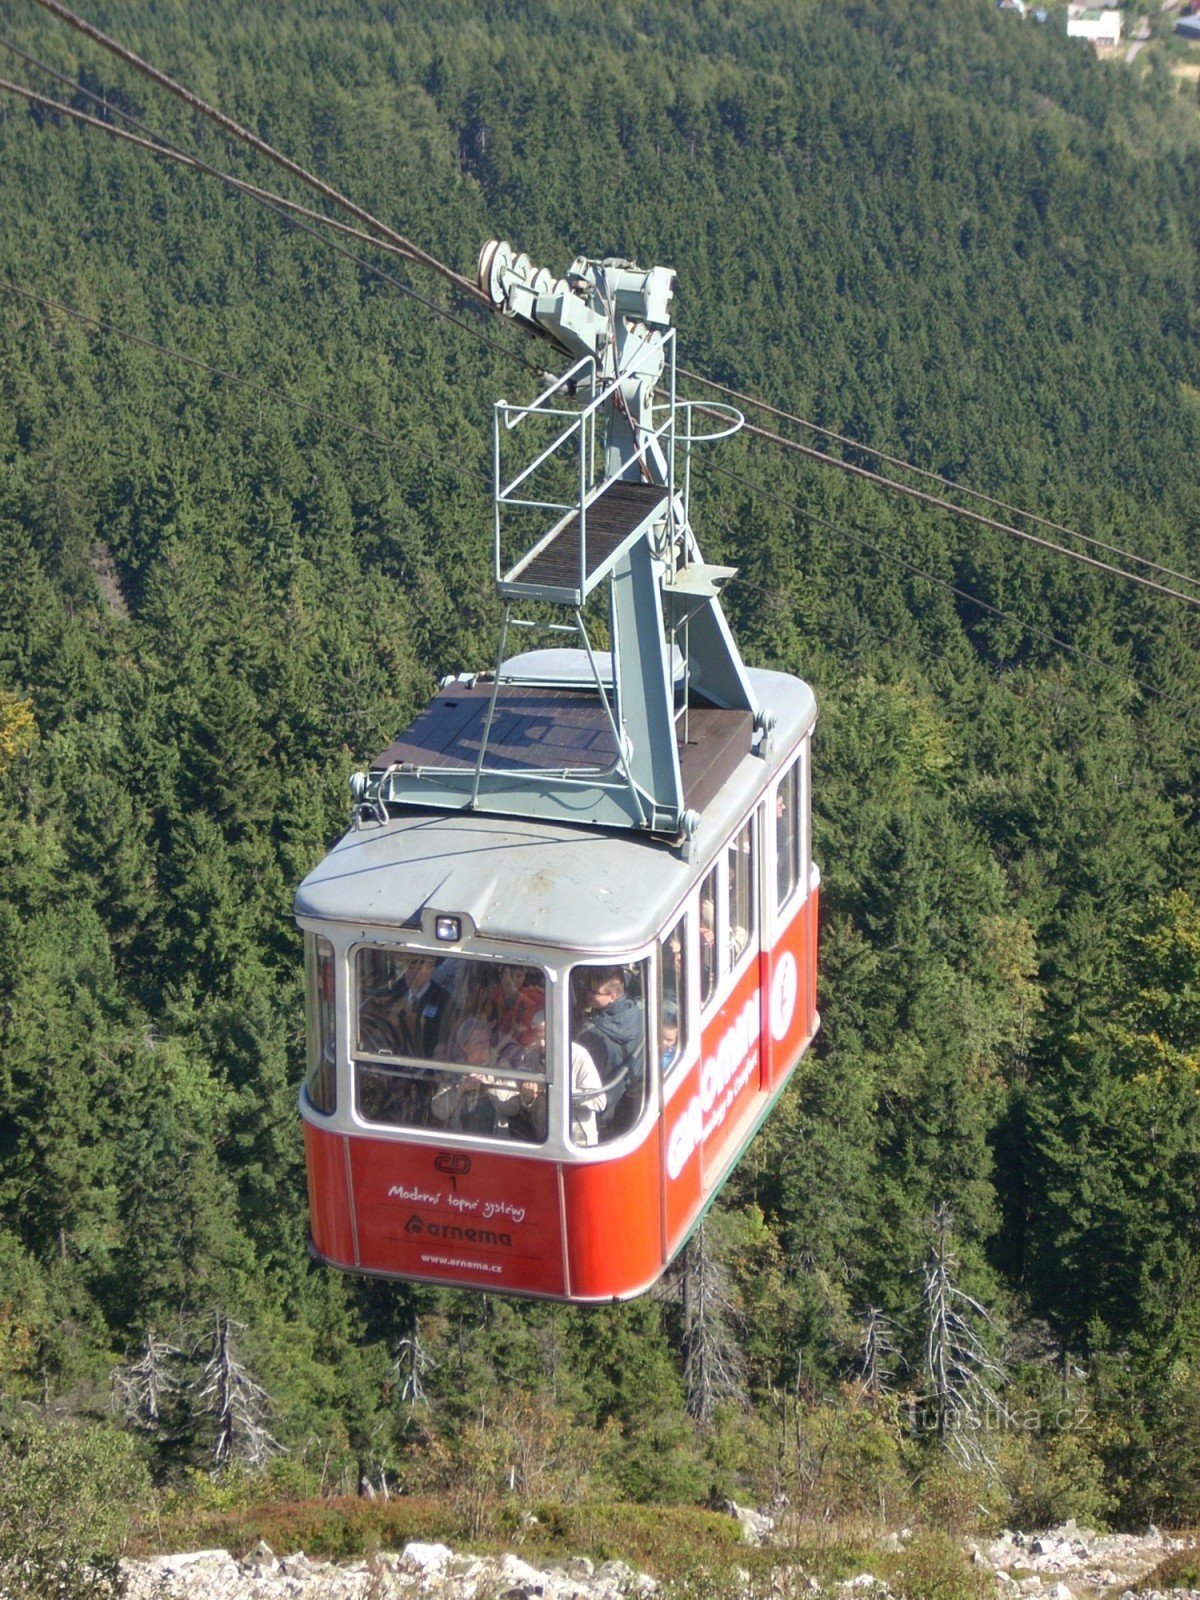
x=226, y=582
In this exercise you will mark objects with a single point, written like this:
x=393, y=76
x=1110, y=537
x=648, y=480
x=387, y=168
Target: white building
x=1099, y=27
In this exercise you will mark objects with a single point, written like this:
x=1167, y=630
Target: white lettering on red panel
x=723, y=1076
x=783, y=995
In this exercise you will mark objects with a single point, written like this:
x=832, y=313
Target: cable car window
x=709, y=910
x=321, y=1081
x=450, y=1043
x=787, y=835
x=608, y=1051
x=741, y=892
x=672, y=997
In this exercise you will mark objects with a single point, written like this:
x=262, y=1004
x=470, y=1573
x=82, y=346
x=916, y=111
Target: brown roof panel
x=541, y=729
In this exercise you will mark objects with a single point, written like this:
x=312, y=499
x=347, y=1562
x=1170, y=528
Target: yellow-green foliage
x=1051, y=1478
x=18, y=728
x=934, y=1567
x=67, y=1495
x=846, y=1459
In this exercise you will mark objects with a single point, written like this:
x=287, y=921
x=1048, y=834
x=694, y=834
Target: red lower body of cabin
x=594, y=1229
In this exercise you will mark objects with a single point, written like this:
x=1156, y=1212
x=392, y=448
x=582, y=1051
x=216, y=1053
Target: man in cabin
x=419, y=1012
x=614, y=1035
x=466, y=1102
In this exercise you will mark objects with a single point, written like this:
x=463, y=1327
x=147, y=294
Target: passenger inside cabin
x=672, y=964
x=708, y=938
x=415, y=1015
x=588, y=1099
x=668, y=1036
x=473, y=1102
x=514, y=1001
x=613, y=1032
x=741, y=916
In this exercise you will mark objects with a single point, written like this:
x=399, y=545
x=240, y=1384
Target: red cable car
x=564, y=962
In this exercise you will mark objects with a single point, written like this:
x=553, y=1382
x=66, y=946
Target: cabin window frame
x=727, y=967
x=429, y=1076
x=610, y=1134
x=793, y=785
x=743, y=856
x=678, y=927
x=321, y=989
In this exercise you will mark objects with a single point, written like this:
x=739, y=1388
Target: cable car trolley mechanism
x=562, y=965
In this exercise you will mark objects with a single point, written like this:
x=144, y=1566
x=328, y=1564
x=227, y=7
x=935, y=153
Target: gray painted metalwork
x=608, y=513
x=536, y=882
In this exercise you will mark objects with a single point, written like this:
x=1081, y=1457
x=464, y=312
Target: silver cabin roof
x=533, y=882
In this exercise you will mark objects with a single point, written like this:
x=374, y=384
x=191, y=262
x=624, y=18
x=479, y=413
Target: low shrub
x=1179, y=1570
x=935, y=1567
x=67, y=1497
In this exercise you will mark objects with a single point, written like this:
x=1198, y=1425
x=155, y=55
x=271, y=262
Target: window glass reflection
x=608, y=1050
x=451, y=1043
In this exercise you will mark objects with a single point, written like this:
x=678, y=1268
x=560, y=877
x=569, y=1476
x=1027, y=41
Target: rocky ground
x=1070, y=1562
x=427, y=1571
x=1066, y=1563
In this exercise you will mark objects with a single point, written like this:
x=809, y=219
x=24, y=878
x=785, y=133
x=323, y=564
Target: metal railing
x=577, y=424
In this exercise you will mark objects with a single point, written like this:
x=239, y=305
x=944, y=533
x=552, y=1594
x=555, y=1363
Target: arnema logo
x=442, y=1230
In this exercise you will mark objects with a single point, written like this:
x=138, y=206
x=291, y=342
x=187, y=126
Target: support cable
x=246, y=383
x=936, y=477
x=290, y=210
x=940, y=583
x=194, y=101
x=424, y=258
x=940, y=504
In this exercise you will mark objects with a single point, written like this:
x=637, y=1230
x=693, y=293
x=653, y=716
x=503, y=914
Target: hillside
x=939, y=230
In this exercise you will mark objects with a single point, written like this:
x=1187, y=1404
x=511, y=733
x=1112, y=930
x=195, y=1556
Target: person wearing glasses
x=613, y=1032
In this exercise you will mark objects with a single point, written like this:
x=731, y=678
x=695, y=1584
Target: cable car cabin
x=563, y=964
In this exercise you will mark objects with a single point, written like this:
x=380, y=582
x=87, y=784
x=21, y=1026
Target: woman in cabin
x=529, y=1121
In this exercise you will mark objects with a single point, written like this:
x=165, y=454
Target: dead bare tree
x=410, y=1362
x=876, y=1355
x=143, y=1391
x=965, y=1381
x=238, y=1405
x=713, y=1365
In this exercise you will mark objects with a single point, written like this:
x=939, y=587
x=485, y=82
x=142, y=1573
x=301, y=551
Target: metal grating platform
x=611, y=522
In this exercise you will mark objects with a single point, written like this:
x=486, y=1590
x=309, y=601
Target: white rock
x=193, y=1558
x=1059, y=1591
x=512, y=1569
x=616, y=1571
x=756, y=1525
x=426, y=1557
